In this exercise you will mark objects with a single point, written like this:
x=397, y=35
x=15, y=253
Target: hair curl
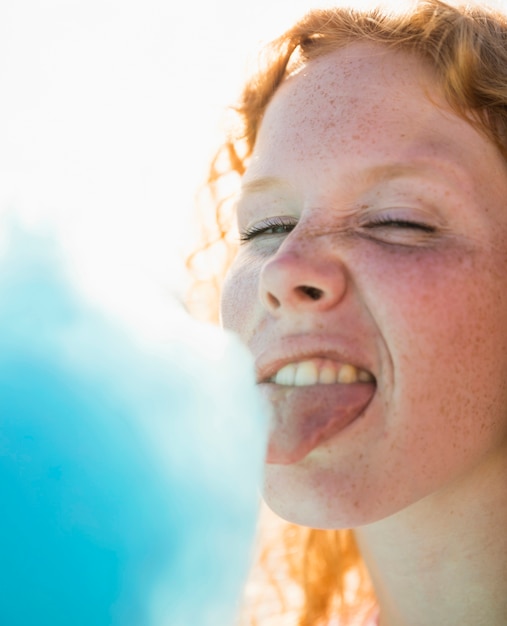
x=467, y=48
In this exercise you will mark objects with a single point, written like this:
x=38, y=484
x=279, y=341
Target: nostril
x=272, y=301
x=313, y=292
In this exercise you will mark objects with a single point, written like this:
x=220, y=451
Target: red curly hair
x=467, y=48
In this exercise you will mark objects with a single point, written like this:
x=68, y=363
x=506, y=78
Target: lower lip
x=305, y=417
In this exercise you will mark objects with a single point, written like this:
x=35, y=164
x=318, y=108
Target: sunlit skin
x=354, y=139
x=389, y=250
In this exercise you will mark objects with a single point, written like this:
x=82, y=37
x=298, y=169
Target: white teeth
x=320, y=371
x=286, y=375
x=306, y=374
x=327, y=374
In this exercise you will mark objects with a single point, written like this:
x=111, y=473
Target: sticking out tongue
x=303, y=417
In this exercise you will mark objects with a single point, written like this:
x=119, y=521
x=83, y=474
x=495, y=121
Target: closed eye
x=386, y=221
x=398, y=230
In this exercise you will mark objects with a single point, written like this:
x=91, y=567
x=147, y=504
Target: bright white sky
x=110, y=110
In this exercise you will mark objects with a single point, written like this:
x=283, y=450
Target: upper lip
x=297, y=348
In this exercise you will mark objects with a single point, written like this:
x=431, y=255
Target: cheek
x=445, y=326
x=448, y=305
x=239, y=300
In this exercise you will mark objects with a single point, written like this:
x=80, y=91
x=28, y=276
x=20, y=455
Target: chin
x=316, y=510
x=326, y=502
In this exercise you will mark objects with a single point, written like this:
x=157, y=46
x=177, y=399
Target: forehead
x=366, y=106
x=353, y=92
x=367, y=63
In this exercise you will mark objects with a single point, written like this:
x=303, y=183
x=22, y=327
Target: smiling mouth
x=313, y=400
x=320, y=372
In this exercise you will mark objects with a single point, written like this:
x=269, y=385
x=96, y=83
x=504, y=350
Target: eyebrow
x=266, y=183
x=372, y=176
x=391, y=170
x=435, y=168
x=369, y=176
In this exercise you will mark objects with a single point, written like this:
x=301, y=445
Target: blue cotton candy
x=129, y=468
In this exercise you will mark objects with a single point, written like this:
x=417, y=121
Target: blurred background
x=110, y=111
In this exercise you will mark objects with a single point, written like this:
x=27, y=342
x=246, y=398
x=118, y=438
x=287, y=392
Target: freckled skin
x=430, y=309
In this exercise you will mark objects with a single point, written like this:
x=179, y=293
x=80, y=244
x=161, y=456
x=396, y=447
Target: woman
x=370, y=286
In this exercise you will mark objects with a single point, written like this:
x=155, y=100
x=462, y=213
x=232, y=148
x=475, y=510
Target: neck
x=444, y=559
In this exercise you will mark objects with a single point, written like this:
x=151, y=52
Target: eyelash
x=287, y=226
x=274, y=222
x=386, y=220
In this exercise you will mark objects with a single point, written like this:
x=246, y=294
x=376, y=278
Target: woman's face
x=371, y=287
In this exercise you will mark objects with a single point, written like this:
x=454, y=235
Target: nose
x=302, y=282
